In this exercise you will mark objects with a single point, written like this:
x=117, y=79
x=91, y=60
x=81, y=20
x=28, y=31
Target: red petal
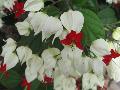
x=25, y=84
x=48, y=80
x=109, y=57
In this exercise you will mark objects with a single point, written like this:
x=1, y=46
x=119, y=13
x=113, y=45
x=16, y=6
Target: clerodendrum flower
x=73, y=21
x=49, y=56
x=33, y=65
x=114, y=69
x=48, y=25
x=69, y=55
x=19, y=8
x=10, y=58
x=116, y=34
x=100, y=47
x=24, y=53
x=90, y=81
x=33, y=5
x=23, y=28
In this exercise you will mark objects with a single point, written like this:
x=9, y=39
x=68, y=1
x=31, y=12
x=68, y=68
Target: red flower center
x=108, y=58
x=18, y=9
x=26, y=84
x=48, y=80
x=3, y=70
x=75, y=38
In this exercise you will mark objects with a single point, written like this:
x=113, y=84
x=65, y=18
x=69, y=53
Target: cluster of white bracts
x=65, y=66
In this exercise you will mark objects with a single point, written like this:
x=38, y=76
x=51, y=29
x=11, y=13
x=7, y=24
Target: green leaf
x=107, y=15
x=93, y=28
x=12, y=81
x=52, y=10
x=79, y=3
x=35, y=85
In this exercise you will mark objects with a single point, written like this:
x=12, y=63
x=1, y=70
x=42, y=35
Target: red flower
x=26, y=84
x=75, y=38
x=48, y=80
x=18, y=9
x=3, y=70
x=78, y=84
x=109, y=57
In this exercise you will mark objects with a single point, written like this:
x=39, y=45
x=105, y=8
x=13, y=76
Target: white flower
x=64, y=83
x=66, y=67
x=49, y=57
x=9, y=4
x=66, y=64
x=23, y=28
x=100, y=47
x=116, y=34
x=72, y=53
x=9, y=47
x=10, y=60
x=47, y=24
x=97, y=66
x=33, y=66
x=24, y=53
x=82, y=65
x=72, y=20
x=95, y=63
x=114, y=69
x=90, y=81
x=33, y=5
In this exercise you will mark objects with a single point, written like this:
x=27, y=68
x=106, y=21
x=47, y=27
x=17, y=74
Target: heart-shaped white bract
x=114, y=69
x=9, y=47
x=33, y=5
x=33, y=66
x=23, y=28
x=48, y=25
x=100, y=47
x=24, y=53
x=72, y=20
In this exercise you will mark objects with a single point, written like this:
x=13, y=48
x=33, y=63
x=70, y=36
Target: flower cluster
x=61, y=67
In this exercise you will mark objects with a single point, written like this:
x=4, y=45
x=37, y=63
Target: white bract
x=50, y=57
x=82, y=65
x=100, y=47
x=90, y=81
x=33, y=66
x=47, y=24
x=64, y=83
x=72, y=20
x=9, y=47
x=116, y=34
x=68, y=57
x=114, y=69
x=24, y=53
x=33, y=5
x=23, y=28
x=10, y=60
